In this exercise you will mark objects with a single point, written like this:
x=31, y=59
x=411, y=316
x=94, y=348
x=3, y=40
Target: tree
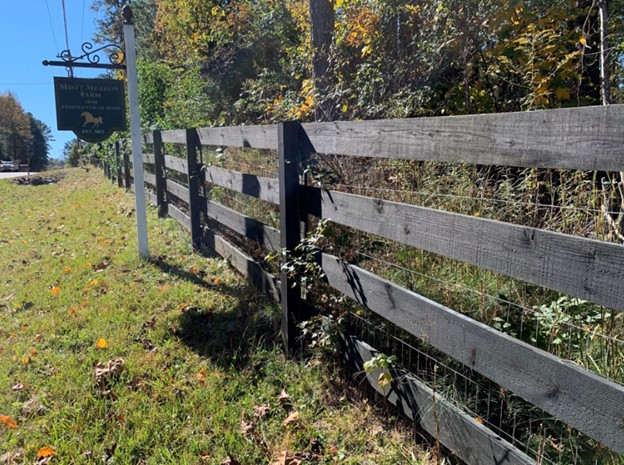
x=39, y=148
x=72, y=152
x=322, y=30
x=14, y=128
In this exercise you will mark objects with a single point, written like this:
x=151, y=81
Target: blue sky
x=27, y=38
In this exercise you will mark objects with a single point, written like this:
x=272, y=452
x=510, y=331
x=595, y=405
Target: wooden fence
x=590, y=138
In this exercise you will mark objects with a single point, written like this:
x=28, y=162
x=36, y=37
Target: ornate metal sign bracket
x=116, y=58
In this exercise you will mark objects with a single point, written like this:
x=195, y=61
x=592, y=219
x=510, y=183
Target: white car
x=9, y=166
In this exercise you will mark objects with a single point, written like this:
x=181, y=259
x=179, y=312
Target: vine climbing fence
x=484, y=252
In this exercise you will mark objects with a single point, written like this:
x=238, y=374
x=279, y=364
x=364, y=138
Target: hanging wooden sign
x=92, y=108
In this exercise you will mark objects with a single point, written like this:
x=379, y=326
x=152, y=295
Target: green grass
x=200, y=348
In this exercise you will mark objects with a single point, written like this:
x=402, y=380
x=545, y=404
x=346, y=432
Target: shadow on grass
x=226, y=337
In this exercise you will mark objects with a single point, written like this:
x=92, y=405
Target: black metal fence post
x=126, y=164
x=290, y=231
x=159, y=172
x=194, y=174
x=118, y=163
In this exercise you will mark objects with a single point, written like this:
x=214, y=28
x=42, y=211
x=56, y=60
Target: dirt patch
x=38, y=179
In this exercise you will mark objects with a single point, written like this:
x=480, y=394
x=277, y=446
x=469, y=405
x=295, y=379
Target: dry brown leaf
x=246, y=428
x=283, y=397
x=32, y=407
x=285, y=459
x=112, y=368
x=261, y=411
x=333, y=450
x=291, y=419
x=10, y=458
x=230, y=461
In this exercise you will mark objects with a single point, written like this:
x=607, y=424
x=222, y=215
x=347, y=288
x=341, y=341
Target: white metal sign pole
x=135, y=130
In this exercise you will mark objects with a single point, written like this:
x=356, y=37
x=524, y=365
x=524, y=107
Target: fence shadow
x=226, y=337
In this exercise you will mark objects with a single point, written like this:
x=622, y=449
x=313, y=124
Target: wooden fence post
x=159, y=172
x=126, y=164
x=290, y=231
x=118, y=163
x=194, y=174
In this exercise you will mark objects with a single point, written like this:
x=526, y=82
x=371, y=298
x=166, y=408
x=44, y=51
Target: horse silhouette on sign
x=95, y=121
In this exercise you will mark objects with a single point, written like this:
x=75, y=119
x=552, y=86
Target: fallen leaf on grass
x=230, y=461
x=246, y=428
x=201, y=376
x=261, y=411
x=217, y=280
x=38, y=336
x=18, y=387
x=45, y=451
x=285, y=459
x=101, y=343
x=112, y=368
x=25, y=360
x=32, y=407
x=55, y=290
x=33, y=351
x=283, y=397
x=10, y=458
x=333, y=450
x=71, y=311
x=291, y=419
x=8, y=421
x=67, y=269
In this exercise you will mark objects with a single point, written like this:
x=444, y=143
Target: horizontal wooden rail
x=262, y=188
x=151, y=197
x=463, y=435
x=585, y=268
x=175, y=136
x=181, y=217
x=178, y=190
x=259, y=137
x=249, y=268
x=251, y=228
x=176, y=164
x=586, y=138
x=149, y=178
x=589, y=403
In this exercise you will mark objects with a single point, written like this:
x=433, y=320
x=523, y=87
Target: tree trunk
x=605, y=91
x=322, y=25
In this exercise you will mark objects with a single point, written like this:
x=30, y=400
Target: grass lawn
x=105, y=358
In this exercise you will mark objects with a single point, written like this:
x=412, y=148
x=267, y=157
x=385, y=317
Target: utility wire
x=82, y=22
x=65, y=24
x=71, y=70
x=51, y=26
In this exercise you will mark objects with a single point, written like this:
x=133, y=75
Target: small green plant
x=323, y=333
x=300, y=263
x=384, y=363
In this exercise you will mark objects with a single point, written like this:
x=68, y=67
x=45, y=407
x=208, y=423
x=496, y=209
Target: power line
x=71, y=70
x=51, y=26
x=65, y=24
x=82, y=22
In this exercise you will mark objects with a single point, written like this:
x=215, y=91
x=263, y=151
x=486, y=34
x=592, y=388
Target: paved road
x=10, y=174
